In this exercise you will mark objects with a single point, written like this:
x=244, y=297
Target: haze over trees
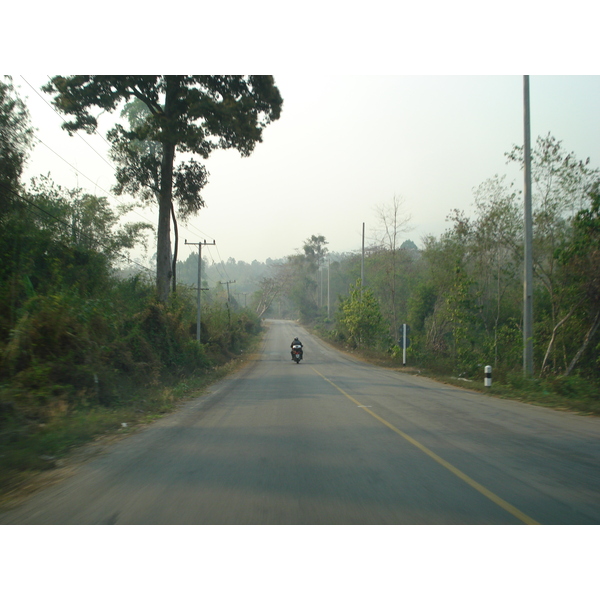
x=182, y=115
x=461, y=293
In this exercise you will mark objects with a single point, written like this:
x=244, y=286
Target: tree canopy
x=186, y=114
x=16, y=139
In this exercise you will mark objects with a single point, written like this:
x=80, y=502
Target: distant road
x=336, y=441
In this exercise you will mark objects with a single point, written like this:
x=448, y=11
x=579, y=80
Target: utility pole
x=362, y=264
x=328, y=269
x=321, y=287
x=199, y=244
x=245, y=294
x=528, y=270
x=227, y=284
x=228, y=300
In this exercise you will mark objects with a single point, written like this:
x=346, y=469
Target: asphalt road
x=336, y=441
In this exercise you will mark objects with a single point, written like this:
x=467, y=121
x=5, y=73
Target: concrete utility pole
x=328, y=297
x=528, y=270
x=321, y=292
x=362, y=263
x=199, y=244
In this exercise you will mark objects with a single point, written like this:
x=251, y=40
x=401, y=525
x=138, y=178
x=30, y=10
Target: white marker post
x=488, y=376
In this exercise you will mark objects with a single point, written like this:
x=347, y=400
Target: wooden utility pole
x=228, y=300
x=198, y=300
x=245, y=294
x=227, y=284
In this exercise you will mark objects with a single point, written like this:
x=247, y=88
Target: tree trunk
x=176, y=246
x=588, y=336
x=163, y=247
x=394, y=313
x=554, y=331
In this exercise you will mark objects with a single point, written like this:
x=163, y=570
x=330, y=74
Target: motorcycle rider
x=296, y=342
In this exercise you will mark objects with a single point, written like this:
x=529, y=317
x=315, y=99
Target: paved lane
x=337, y=441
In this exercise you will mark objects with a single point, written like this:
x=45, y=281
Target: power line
x=216, y=265
x=74, y=168
x=221, y=259
x=76, y=133
x=198, y=231
x=227, y=284
x=119, y=202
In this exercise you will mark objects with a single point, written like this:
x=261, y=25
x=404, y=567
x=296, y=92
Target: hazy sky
x=344, y=145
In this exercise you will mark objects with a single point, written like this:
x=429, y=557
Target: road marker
x=515, y=512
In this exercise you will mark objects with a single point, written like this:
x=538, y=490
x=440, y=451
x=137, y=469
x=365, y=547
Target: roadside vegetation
x=461, y=293
x=83, y=350
x=86, y=344
x=90, y=339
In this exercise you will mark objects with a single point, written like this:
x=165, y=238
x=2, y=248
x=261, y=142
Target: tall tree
x=270, y=288
x=360, y=315
x=450, y=328
x=188, y=114
x=581, y=258
x=16, y=135
x=496, y=256
x=562, y=185
x=315, y=251
x=138, y=163
x=394, y=220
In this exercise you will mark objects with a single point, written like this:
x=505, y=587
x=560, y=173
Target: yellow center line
x=515, y=512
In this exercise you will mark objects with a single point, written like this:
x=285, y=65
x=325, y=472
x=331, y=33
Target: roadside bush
x=67, y=351
x=225, y=331
x=359, y=316
x=571, y=387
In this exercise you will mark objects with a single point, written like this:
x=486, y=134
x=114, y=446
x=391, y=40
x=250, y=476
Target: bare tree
x=271, y=288
x=393, y=220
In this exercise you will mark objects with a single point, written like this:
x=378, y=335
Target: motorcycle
x=297, y=353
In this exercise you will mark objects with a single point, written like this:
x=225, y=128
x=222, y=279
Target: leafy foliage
x=16, y=138
x=185, y=114
x=462, y=294
x=360, y=317
x=73, y=335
